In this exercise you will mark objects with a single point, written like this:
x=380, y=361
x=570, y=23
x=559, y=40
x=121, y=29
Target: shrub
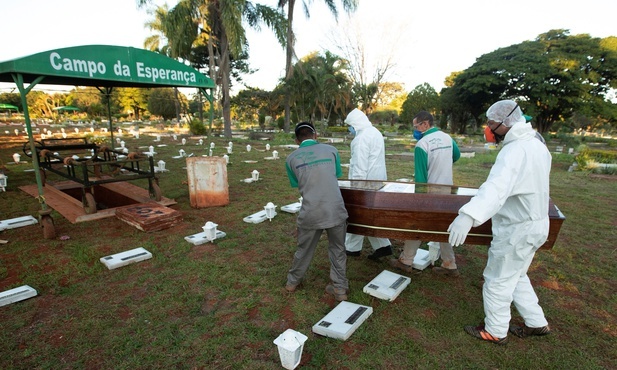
x=197, y=127
x=588, y=159
x=337, y=129
x=280, y=122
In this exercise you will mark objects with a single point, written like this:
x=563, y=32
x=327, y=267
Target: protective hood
x=520, y=131
x=358, y=120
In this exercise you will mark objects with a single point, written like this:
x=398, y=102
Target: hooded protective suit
x=368, y=162
x=515, y=196
x=368, y=153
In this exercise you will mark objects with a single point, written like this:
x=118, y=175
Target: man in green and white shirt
x=434, y=155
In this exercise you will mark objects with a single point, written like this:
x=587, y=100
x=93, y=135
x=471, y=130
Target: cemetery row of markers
x=339, y=323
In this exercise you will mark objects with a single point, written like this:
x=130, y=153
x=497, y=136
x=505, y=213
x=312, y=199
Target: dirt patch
x=603, y=176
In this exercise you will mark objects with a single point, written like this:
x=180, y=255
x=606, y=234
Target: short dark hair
x=424, y=116
x=304, y=130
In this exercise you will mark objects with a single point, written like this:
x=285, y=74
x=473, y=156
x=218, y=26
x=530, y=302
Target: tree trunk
x=177, y=104
x=224, y=71
x=212, y=74
x=288, y=57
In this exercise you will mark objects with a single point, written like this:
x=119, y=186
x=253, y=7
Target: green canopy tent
x=67, y=108
x=101, y=66
x=8, y=107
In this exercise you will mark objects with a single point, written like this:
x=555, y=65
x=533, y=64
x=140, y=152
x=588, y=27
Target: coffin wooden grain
x=407, y=211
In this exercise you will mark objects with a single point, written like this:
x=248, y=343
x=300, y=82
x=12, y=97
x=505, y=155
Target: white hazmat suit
x=516, y=197
x=368, y=162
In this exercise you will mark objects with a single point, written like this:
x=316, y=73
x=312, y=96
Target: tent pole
x=111, y=125
x=19, y=81
x=210, y=98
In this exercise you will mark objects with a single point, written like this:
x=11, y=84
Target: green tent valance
x=104, y=66
x=8, y=107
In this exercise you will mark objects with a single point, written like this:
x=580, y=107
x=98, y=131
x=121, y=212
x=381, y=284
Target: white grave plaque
x=387, y=285
x=202, y=238
x=422, y=259
x=343, y=320
x=17, y=222
x=292, y=208
x=258, y=217
x=125, y=258
x=16, y=295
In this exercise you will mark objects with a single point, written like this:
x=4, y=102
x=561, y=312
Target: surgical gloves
x=459, y=228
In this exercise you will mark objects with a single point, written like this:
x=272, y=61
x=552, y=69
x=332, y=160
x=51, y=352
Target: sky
x=424, y=41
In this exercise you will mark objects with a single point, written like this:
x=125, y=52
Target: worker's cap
x=505, y=111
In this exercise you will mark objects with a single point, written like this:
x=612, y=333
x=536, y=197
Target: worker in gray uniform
x=314, y=168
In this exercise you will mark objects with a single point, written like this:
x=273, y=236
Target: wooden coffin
x=408, y=211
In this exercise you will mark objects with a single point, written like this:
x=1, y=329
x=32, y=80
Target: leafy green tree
x=422, y=97
x=348, y=6
x=134, y=99
x=454, y=112
x=551, y=77
x=249, y=103
x=12, y=99
x=88, y=99
x=319, y=88
x=162, y=102
x=220, y=23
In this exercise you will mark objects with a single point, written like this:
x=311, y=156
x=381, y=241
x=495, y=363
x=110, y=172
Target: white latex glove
x=459, y=228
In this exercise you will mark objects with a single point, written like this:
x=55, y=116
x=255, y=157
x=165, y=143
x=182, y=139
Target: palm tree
x=320, y=88
x=159, y=42
x=220, y=23
x=348, y=5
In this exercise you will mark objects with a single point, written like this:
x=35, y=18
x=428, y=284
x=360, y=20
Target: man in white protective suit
x=515, y=196
x=368, y=162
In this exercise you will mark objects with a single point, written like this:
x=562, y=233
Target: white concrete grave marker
x=209, y=234
x=292, y=208
x=125, y=258
x=17, y=222
x=343, y=320
x=387, y=285
x=3, y=181
x=16, y=294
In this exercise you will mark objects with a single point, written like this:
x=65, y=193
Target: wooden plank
x=72, y=209
x=66, y=205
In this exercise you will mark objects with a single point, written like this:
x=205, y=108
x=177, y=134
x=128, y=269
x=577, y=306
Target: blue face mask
x=417, y=134
x=352, y=130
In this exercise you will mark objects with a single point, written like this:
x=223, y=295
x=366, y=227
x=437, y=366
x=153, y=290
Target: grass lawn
x=220, y=305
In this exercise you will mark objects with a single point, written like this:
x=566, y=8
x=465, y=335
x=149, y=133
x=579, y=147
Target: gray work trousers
x=307, y=242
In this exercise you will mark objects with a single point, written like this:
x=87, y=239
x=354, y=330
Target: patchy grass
x=220, y=305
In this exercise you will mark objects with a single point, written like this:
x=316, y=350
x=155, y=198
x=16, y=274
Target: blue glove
x=459, y=228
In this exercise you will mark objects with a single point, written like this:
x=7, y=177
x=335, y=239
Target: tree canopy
x=551, y=77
